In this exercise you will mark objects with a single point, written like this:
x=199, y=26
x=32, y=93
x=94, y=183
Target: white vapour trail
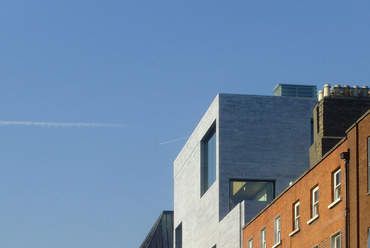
x=57, y=124
x=163, y=143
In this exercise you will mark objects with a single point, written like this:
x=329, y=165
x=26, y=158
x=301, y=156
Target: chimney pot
x=355, y=90
x=337, y=90
x=327, y=90
x=321, y=95
x=365, y=91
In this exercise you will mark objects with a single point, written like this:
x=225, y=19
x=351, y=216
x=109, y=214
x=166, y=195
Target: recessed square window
x=250, y=190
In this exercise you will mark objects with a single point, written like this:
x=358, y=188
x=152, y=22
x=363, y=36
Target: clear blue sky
x=152, y=67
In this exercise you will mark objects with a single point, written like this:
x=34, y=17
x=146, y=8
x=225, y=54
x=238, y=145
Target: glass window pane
x=337, y=241
x=250, y=243
x=297, y=210
x=337, y=183
x=250, y=191
x=277, y=229
x=338, y=178
x=263, y=238
x=296, y=216
x=315, y=202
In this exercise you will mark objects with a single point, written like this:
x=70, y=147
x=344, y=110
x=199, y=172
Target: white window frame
x=263, y=238
x=334, y=239
x=337, y=185
x=250, y=243
x=315, y=202
x=277, y=229
x=296, y=216
x=368, y=238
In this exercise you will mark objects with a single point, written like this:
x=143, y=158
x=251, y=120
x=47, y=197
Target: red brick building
x=358, y=138
x=328, y=206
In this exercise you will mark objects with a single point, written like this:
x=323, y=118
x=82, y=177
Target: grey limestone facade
x=258, y=139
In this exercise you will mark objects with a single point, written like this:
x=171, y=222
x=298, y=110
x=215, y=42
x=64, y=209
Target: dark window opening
x=208, y=148
x=250, y=190
x=178, y=236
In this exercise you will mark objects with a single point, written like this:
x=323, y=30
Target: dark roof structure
x=161, y=234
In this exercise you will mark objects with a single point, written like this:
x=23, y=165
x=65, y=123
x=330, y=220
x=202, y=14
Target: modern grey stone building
x=245, y=151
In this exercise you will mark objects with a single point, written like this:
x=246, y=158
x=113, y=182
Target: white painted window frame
x=277, y=229
x=336, y=185
x=250, y=243
x=334, y=238
x=296, y=215
x=263, y=237
x=315, y=203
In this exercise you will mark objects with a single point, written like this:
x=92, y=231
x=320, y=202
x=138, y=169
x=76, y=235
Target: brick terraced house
x=328, y=206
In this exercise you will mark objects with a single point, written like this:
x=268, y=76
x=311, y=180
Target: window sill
x=312, y=220
x=277, y=244
x=368, y=193
x=294, y=232
x=334, y=203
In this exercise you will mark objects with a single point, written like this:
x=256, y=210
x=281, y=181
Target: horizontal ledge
x=334, y=203
x=277, y=244
x=294, y=232
x=313, y=219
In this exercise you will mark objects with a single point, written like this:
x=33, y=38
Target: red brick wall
x=360, y=200
x=352, y=197
x=330, y=220
x=319, y=231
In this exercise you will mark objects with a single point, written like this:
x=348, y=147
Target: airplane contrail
x=58, y=124
x=163, y=143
